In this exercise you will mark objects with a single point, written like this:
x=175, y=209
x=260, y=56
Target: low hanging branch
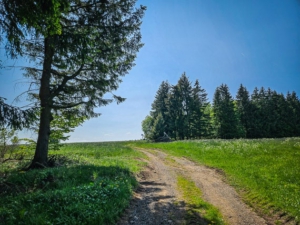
x=15, y=117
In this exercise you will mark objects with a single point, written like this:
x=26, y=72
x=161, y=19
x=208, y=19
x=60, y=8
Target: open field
x=266, y=172
x=95, y=181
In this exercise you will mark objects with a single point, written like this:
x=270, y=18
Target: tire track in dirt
x=220, y=194
x=157, y=201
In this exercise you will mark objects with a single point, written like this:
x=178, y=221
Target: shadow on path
x=153, y=205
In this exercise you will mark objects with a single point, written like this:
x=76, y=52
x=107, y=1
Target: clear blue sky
x=256, y=43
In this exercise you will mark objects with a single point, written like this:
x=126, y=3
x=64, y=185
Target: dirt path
x=158, y=202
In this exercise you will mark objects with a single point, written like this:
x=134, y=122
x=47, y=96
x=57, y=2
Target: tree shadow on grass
x=84, y=194
x=62, y=177
x=105, y=190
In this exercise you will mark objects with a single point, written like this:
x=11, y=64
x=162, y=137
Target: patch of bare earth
x=157, y=200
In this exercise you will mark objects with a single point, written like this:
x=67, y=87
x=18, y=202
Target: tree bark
x=40, y=159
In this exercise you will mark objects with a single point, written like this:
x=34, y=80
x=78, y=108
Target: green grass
x=266, y=171
x=93, y=187
x=197, y=209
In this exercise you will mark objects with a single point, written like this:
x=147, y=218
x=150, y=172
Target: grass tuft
x=198, y=211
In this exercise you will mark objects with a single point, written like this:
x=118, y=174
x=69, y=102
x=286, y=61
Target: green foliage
x=98, y=202
x=267, y=171
x=96, y=46
x=273, y=114
x=185, y=91
x=200, y=118
x=15, y=117
x=93, y=186
x=176, y=117
x=160, y=103
x=244, y=111
x=158, y=127
x=16, y=23
x=61, y=125
x=8, y=143
x=182, y=109
x=147, y=125
x=80, y=51
x=188, y=115
x=196, y=207
x=225, y=118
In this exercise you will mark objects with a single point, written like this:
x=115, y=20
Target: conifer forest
x=182, y=111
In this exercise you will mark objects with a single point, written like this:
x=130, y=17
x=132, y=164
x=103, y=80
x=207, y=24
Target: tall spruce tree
x=175, y=112
x=199, y=118
x=15, y=24
x=281, y=106
x=158, y=129
x=256, y=126
x=185, y=90
x=160, y=105
x=225, y=118
x=79, y=61
x=244, y=110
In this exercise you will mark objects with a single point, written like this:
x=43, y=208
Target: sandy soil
x=157, y=201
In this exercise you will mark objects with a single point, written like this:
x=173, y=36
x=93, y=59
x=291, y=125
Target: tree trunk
x=40, y=159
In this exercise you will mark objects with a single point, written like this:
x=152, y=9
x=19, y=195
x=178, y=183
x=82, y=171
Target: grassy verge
x=92, y=187
x=198, y=211
x=266, y=171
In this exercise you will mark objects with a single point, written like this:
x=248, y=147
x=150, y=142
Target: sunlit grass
x=197, y=209
x=93, y=186
x=266, y=171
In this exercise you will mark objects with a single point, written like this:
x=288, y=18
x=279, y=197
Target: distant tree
x=158, y=128
x=200, y=119
x=186, y=92
x=160, y=105
x=209, y=113
x=79, y=61
x=245, y=110
x=272, y=114
x=225, y=118
x=8, y=141
x=282, y=124
x=182, y=108
x=268, y=116
x=147, y=127
x=257, y=114
x=175, y=111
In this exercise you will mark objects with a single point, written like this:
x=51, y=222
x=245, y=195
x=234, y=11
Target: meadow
x=266, y=172
x=92, y=183
x=93, y=186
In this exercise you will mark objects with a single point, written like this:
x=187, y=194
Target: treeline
x=182, y=111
